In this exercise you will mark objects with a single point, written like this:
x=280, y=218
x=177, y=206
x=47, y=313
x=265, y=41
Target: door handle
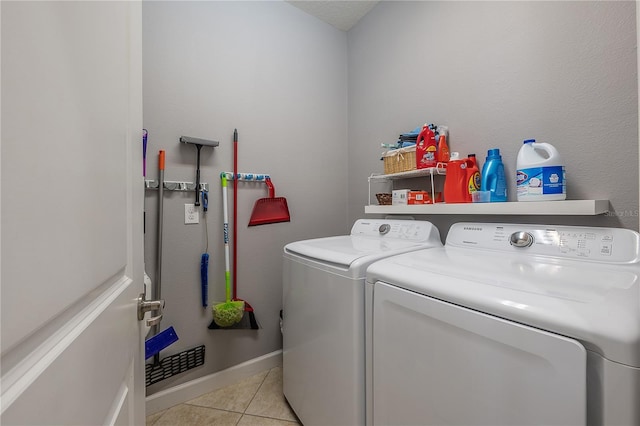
x=150, y=305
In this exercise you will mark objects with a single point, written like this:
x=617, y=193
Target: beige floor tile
x=235, y=397
x=154, y=417
x=269, y=400
x=248, y=420
x=193, y=415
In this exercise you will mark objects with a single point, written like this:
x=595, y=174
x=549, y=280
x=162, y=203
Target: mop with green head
x=227, y=313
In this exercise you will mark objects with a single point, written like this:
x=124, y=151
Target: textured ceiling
x=341, y=14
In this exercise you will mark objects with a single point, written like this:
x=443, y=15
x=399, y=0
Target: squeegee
x=199, y=143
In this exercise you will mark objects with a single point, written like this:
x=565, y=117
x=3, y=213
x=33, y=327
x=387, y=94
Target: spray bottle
x=442, y=151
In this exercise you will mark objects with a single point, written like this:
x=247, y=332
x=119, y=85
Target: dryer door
x=435, y=363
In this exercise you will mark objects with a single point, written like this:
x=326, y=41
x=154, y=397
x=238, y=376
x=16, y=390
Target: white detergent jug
x=540, y=173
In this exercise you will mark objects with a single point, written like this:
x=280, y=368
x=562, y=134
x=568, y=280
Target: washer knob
x=384, y=228
x=521, y=239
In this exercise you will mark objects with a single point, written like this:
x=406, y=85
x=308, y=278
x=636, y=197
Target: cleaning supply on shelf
x=493, y=178
x=426, y=148
x=473, y=175
x=456, y=188
x=442, y=150
x=540, y=173
x=409, y=197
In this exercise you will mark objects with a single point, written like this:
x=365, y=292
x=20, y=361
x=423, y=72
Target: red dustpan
x=270, y=210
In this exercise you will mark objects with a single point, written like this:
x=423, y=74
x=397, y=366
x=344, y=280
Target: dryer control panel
x=411, y=230
x=611, y=245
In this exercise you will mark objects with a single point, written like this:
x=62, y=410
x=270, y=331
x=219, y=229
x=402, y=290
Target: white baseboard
x=190, y=390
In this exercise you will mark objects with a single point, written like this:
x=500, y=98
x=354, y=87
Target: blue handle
x=205, y=200
x=204, y=278
x=145, y=134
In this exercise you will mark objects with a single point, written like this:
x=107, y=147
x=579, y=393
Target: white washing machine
x=324, y=316
x=509, y=325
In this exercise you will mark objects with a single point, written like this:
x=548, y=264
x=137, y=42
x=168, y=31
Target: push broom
x=248, y=320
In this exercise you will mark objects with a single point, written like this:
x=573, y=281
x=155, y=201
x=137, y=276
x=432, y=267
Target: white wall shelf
x=549, y=208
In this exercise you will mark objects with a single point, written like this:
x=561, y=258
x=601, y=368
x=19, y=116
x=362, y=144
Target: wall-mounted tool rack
x=247, y=177
x=176, y=186
x=170, y=185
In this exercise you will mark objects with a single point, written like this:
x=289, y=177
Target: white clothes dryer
x=323, y=323
x=509, y=325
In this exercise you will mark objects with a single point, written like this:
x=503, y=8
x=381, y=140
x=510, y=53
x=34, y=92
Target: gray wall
x=497, y=73
x=279, y=76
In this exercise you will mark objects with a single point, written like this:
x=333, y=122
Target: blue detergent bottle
x=493, y=177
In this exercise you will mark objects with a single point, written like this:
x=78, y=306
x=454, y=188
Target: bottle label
x=500, y=194
x=427, y=157
x=474, y=182
x=541, y=181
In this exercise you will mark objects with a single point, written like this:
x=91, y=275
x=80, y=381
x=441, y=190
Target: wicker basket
x=400, y=160
x=384, y=199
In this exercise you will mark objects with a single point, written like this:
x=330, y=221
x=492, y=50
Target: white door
x=71, y=213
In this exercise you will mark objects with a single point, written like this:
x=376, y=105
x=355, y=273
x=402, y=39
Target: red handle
x=235, y=214
x=272, y=190
x=161, y=160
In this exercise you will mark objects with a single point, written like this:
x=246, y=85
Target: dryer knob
x=384, y=228
x=521, y=239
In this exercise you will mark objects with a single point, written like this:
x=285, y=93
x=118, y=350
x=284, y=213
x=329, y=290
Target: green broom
x=230, y=312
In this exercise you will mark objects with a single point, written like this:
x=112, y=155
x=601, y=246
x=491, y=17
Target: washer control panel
x=412, y=230
x=614, y=245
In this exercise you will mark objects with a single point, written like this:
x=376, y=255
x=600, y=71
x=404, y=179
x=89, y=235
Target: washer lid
x=596, y=303
x=370, y=239
x=346, y=250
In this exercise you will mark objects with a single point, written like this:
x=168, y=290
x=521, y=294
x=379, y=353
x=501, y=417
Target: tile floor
x=255, y=401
